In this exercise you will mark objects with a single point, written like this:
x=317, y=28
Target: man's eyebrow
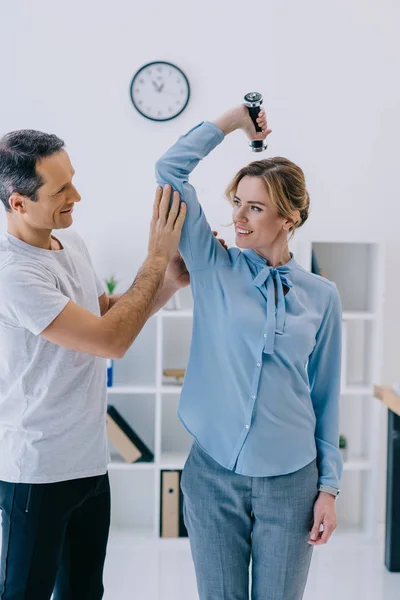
x=251, y=201
x=62, y=188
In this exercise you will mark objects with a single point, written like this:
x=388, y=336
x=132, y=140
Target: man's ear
x=18, y=203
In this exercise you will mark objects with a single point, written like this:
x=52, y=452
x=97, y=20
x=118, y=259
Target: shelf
x=175, y=314
x=357, y=464
x=357, y=390
x=173, y=388
x=347, y=315
x=131, y=389
x=358, y=315
x=165, y=389
x=176, y=460
x=120, y=465
x=173, y=460
x=354, y=315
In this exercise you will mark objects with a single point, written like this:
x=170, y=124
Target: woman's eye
x=256, y=208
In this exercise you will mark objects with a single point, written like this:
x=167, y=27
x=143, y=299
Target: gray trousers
x=233, y=518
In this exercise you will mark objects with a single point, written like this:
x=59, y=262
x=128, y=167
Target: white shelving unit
x=358, y=271
x=150, y=404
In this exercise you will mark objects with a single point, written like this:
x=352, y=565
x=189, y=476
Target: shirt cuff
x=329, y=490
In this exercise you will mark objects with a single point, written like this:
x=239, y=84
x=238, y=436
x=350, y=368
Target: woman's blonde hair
x=285, y=184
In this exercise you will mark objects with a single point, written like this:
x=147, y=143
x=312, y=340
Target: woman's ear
x=291, y=224
x=288, y=225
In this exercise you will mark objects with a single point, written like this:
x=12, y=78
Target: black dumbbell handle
x=253, y=102
x=254, y=112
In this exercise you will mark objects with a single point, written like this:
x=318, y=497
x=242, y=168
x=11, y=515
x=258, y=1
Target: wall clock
x=160, y=91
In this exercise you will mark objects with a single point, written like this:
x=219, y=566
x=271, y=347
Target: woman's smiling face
x=256, y=219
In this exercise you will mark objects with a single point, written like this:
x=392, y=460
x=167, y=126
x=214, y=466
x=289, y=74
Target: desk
x=391, y=400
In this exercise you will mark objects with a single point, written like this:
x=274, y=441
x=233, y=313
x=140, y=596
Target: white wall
x=328, y=71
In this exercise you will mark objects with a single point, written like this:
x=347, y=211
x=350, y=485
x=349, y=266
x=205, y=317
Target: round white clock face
x=160, y=91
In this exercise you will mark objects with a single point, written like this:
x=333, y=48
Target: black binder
x=392, y=541
x=126, y=441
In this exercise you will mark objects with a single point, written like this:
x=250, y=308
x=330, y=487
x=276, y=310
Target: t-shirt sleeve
x=99, y=284
x=29, y=297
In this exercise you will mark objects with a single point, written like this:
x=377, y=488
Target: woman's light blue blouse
x=261, y=390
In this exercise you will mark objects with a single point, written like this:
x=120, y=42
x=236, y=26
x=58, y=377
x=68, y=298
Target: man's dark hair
x=19, y=153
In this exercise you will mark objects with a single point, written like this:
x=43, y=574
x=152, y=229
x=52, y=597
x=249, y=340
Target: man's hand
x=325, y=515
x=177, y=272
x=166, y=224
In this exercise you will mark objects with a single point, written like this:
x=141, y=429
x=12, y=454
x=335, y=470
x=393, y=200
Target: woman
x=262, y=384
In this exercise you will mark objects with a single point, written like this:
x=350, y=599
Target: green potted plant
x=111, y=283
x=343, y=446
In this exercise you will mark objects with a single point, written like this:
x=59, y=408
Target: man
x=57, y=326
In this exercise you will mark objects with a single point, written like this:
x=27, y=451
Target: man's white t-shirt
x=52, y=400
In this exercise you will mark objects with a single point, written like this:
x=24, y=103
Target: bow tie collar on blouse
x=265, y=275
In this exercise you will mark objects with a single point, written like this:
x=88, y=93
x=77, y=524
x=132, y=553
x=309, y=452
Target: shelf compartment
x=349, y=266
x=128, y=507
x=175, y=439
x=177, y=336
x=355, y=425
x=137, y=368
x=138, y=410
x=357, y=356
x=183, y=299
x=350, y=501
